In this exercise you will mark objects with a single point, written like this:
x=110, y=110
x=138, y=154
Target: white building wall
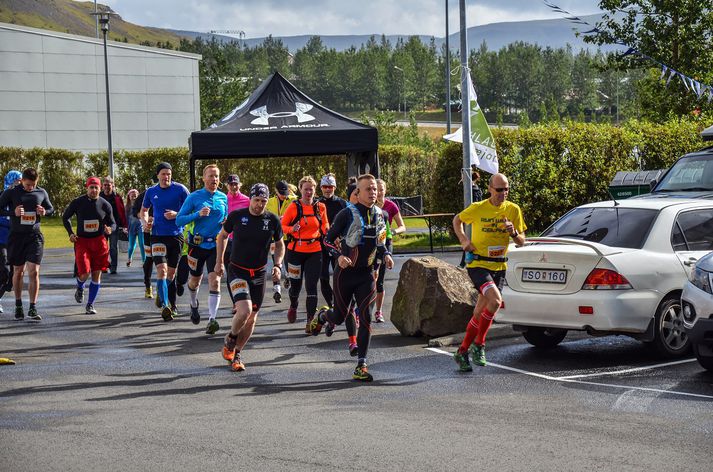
x=52, y=92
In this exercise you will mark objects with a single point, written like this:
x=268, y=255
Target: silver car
x=697, y=303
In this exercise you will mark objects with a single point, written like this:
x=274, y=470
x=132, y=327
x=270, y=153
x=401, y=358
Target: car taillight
x=605, y=279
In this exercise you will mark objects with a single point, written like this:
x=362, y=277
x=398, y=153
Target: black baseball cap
x=282, y=188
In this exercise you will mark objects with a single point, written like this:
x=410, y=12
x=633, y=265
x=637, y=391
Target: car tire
x=705, y=361
x=544, y=337
x=670, y=338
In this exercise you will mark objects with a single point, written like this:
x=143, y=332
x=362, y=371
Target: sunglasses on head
x=501, y=189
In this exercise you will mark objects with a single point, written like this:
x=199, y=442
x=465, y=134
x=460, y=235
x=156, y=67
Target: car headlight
x=702, y=279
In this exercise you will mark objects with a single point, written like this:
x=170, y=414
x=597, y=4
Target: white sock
x=194, y=296
x=213, y=303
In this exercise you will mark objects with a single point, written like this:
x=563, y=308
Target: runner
x=494, y=221
x=334, y=205
x=391, y=213
x=26, y=204
x=136, y=235
x=166, y=198
x=119, y=213
x=148, y=261
x=277, y=205
x=206, y=209
x=254, y=230
x=236, y=201
x=305, y=223
x=12, y=179
x=95, y=221
x=361, y=230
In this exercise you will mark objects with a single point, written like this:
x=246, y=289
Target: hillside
x=67, y=16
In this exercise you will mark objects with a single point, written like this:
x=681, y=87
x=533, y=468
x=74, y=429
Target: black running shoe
x=19, y=313
x=179, y=290
x=90, y=309
x=32, y=314
x=79, y=295
x=195, y=316
x=362, y=374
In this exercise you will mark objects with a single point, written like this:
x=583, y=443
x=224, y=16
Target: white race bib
x=91, y=226
x=192, y=262
x=158, y=250
x=294, y=271
x=239, y=286
x=29, y=218
x=496, y=251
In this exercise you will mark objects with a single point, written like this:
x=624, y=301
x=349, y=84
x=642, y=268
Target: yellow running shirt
x=488, y=230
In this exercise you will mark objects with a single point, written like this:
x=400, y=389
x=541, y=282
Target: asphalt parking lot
x=123, y=390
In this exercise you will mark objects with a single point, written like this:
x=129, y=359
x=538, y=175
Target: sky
x=259, y=18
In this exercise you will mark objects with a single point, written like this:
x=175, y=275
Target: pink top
x=237, y=201
x=390, y=208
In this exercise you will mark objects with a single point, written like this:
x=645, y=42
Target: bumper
x=625, y=311
x=700, y=329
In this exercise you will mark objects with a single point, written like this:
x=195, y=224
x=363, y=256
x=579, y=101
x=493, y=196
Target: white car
x=609, y=268
x=697, y=302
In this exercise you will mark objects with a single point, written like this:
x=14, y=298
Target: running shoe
x=212, y=327
x=90, y=309
x=329, y=328
x=291, y=315
x=315, y=326
x=148, y=293
x=174, y=311
x=478, y=353
x=237, y=364
x=32, y=314
x=229, y=347
x=166, y=313
x=19, y=313
x=128, y=263
x=362, y=373
x=379, y=317
x=277, y=295
x=353, y=349
x=179, y=290
x=79, y=295
x=195, y=316
x=159, y=303
x=463, y=361
x=308, y=326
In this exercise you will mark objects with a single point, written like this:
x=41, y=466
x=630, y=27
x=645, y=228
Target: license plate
x=551, y=276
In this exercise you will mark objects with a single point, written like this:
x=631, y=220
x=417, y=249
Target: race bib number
x=147, y=250
x=239, y=286
x=382, y=237
x=91, y=226
x=294, y=271
x=192, y=262
x=29, y=218
x=496, y=251
x=158, y=250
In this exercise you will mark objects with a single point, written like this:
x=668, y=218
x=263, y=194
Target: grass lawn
x=55, y=234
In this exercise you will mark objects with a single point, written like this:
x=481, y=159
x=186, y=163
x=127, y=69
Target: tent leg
x=192, y=167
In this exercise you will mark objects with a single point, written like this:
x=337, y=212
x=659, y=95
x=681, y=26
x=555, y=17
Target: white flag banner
x=482, y=143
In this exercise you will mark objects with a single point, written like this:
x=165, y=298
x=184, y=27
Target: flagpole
x=465, y=108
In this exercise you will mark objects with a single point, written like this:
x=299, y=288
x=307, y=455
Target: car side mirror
x=652, y=185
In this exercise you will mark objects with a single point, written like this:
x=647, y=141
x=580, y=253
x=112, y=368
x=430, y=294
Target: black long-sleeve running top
x=92, y=215
x=30, y=221
x=370, y=246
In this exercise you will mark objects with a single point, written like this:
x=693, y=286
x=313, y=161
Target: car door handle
x=691, y=261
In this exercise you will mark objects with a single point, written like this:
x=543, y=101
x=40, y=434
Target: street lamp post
x=104, y=22
x=448, y=78
x=403, y=92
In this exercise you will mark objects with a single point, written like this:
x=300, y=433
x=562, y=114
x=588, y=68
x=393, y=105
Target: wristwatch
x=514, y=234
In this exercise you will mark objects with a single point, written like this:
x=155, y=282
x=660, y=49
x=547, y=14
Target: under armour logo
x=263, y=117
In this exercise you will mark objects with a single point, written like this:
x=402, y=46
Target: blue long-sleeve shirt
x=205, y=228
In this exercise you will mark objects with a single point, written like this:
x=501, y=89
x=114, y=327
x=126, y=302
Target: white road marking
x=582, y=382
x=627, y=371
x=634, y=401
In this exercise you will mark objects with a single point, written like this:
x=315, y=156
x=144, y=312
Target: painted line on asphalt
x=570, y=380
x=627, y=371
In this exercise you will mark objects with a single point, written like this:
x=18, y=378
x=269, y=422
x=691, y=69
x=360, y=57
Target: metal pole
x=465, y=108
x=108, y=106
x=448, y=77
x=96, y=18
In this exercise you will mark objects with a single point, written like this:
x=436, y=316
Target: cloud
x=332, y=17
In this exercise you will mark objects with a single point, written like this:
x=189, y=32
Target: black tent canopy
x=278, y=120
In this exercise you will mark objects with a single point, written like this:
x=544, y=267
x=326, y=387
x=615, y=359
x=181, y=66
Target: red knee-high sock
x=486, y=320
x=471, y=331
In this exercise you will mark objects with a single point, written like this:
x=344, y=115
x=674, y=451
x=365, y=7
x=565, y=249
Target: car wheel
x=705, y=361
x=670, y=339
x=544, y=337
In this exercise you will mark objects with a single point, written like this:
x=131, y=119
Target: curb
x=495, y=332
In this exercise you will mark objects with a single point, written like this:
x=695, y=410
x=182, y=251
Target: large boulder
x=433, y=298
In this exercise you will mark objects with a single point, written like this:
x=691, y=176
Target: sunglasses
x=501, y=189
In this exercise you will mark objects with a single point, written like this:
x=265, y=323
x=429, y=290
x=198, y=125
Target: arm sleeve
x=467, y=216
x=67, y=216
x=335, y=231
x=186, y=214
x=287, y=218
x=228, y=224
x=5, y=201
x=46, y=204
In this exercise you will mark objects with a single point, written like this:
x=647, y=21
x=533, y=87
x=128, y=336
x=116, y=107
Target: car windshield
x=615, y=226
x=692, y=173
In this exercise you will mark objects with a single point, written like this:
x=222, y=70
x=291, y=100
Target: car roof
x=652, y=203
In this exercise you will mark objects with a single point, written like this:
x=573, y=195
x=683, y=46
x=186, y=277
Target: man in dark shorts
x=206, y=208
x=254, y=230
x=494, y=221
x=361, y=231
x=166, y=198
x=27, y=204
x=95, y=221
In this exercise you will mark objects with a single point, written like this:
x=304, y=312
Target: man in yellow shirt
x=493, y=222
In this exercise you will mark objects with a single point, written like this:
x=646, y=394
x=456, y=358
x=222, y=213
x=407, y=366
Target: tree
x=677, y=33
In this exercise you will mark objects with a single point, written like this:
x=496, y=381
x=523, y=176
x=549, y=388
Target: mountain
x=75, y=17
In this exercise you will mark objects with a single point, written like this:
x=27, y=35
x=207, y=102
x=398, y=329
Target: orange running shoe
x=237, y=365
x=229, y=347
